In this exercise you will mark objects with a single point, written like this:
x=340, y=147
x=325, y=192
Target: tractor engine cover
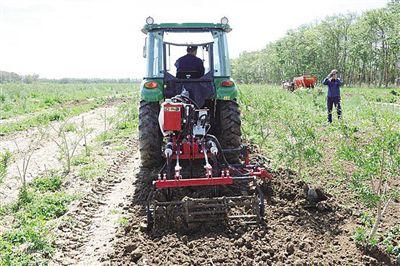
x=171, y=116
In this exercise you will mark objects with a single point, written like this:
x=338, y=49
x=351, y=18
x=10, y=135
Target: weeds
x=301, y=147
x=5, y=159
x=20, y=99
x=361, y=152
x=47, y=183
x=46, y=118
x=377, y=164
x=27, y=241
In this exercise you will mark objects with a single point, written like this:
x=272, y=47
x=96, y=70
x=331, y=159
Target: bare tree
x=67, y=146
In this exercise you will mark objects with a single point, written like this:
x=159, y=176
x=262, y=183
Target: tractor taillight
x=227, y=83
x=151, y=85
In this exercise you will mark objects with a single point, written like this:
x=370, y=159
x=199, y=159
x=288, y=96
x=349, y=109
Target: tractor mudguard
x=152, y=95
x=225, y=93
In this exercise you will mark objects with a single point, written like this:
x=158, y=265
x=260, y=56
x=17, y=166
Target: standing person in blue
x=333, y=98
x=189, y=64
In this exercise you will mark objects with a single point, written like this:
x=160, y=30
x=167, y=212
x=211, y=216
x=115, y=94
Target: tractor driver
x=189, y=66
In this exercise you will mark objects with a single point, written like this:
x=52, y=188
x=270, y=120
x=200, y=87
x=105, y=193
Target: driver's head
x=192, y=50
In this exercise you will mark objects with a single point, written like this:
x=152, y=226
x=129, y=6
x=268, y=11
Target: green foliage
x=379, y=157
x=376, y=162
x=122, y=221
x=80, y=160
x=70, y=127
x=17, y=98
x=364, y=48
x=91, y=171
x=301, y=146
x=5, y=159
x=360, y=235
x=284, y=124
x=46, y=118
x=27, y=241
x=125, y=123
x=390, y=241
x=291, y=129
x=47, y=183
x=43, y=207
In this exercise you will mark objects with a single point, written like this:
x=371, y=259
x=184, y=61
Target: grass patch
x=105, y=136
x=80, y=160
x=49, y=183
x=17, y=99
x=122, y=221
x=91, y=171
x=27, y=241
x=46, y=118
x=125, y=124
x=5, y=159
x=70, y=127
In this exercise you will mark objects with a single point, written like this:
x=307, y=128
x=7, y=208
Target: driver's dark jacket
x=190, y=63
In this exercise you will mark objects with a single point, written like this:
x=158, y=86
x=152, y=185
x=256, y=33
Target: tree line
x=7, y=77
x=11, y=77
x=364, y=48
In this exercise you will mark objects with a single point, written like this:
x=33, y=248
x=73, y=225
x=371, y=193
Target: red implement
x=193, y=182
x=305, y=81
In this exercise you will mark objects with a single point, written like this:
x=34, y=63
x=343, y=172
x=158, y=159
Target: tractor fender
x=152, y=95
x=225, y=93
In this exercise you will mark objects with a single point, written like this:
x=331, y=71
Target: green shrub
x=51, y=183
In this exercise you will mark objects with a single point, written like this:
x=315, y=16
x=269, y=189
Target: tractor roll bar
x=188, y=44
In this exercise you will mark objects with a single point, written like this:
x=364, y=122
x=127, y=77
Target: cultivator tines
x=205, y=210
x=244, y=208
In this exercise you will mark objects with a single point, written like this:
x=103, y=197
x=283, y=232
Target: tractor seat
x=188, y=74
x=200, y=89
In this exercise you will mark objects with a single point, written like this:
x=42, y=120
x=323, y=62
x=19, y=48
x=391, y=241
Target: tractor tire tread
x=230, y=125
x=150, y=137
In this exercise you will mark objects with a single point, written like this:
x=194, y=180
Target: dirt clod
x=290, y=249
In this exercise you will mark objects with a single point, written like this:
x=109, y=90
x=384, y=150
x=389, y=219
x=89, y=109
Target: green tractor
x=214, y=91
x=190, y=122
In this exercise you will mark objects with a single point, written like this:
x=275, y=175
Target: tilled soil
x=295, y=233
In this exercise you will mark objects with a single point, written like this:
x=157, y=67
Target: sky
x=102, y=38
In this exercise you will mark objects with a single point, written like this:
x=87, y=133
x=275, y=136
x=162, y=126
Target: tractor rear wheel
x=229, y=124
x=150, y=137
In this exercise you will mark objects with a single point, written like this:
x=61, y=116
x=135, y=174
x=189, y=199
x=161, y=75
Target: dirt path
x=45, y=154
x=85, y=235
